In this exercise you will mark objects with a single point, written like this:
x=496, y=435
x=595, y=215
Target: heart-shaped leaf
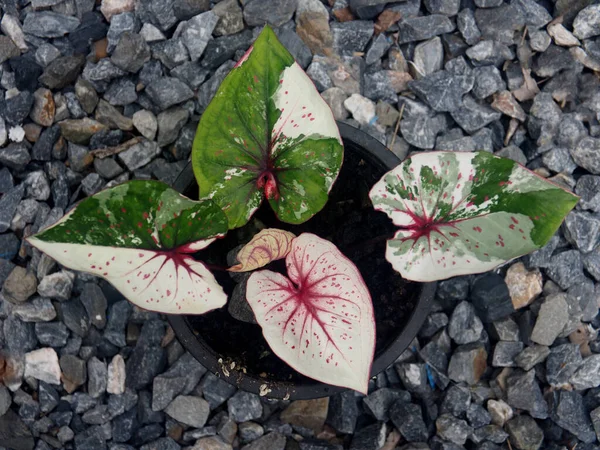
x=463, y=213
x=320, y=320
x=267, y=132
x=267, y=245
x=137, y=236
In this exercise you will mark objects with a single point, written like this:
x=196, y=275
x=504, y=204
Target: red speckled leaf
x=320, y=320
x=461, y=213
x=138, y=236
x=268, y=245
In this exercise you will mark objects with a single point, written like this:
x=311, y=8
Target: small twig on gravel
x=512, y=128
x=109, y=151
x=523, y=37
x=397, y=126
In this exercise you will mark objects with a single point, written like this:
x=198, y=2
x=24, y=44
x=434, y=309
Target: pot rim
x=211, y=360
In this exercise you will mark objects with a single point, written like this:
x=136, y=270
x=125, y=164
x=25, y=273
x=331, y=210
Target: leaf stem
x=215, y=267
x=397, y=126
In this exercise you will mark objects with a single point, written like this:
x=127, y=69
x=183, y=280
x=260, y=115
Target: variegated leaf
x=461, y=213
x=138, y=236
x=266, y=246
x=267, y=133
x=320, y=320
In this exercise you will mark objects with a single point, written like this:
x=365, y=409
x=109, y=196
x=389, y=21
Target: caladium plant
x=462, y=213
x=320, y=318
x=267, y=133
x=138, y=236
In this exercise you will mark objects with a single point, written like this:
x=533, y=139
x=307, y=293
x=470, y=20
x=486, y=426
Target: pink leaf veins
x=267, y=245
x=320, y=320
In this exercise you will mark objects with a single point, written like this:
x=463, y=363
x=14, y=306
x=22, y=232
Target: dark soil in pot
x=350, y=222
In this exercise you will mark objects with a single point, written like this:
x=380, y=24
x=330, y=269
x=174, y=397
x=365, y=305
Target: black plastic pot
x=369, y=151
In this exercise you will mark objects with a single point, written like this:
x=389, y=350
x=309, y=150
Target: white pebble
x=116, y=376
x=16, y=133
x=43, y=365
x=362, y=109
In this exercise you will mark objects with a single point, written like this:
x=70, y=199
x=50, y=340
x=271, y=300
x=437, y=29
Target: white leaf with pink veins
x=320, y=320
x=166, y=282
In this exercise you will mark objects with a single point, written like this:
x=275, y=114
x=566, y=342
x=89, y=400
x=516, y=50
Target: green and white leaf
x=461, y=213
x=267, y=133
x=138, y=236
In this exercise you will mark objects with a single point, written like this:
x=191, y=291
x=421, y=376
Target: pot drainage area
x=95, y=93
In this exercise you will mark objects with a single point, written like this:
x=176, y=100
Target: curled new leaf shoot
x=320, y=320
x=266, y=246
x=461, y=213
x=138, y=236
x=267, y=133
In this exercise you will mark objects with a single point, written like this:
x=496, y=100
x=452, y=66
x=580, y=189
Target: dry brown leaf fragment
x=110, y=151
x=392, y=440
x=512, y=128
x=314, y=30
x=529, y=88
x=266, y=246
x=506, y=104
x=562, y=36
x=397, y=61
x=343, y=14
x=399, y=80
x=386, y=19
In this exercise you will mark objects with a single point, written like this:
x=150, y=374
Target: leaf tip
x=364, y=389
x=267, y=29
x=236, y=268
x=32, y=240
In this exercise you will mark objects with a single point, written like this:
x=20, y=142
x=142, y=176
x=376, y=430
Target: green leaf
x=461, y=213
x=137, y=236
x=267, y=132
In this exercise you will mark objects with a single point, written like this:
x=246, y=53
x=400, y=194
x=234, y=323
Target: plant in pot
x=319, y=297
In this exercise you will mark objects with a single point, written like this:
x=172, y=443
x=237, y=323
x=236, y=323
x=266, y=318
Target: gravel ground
x=94, y=93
